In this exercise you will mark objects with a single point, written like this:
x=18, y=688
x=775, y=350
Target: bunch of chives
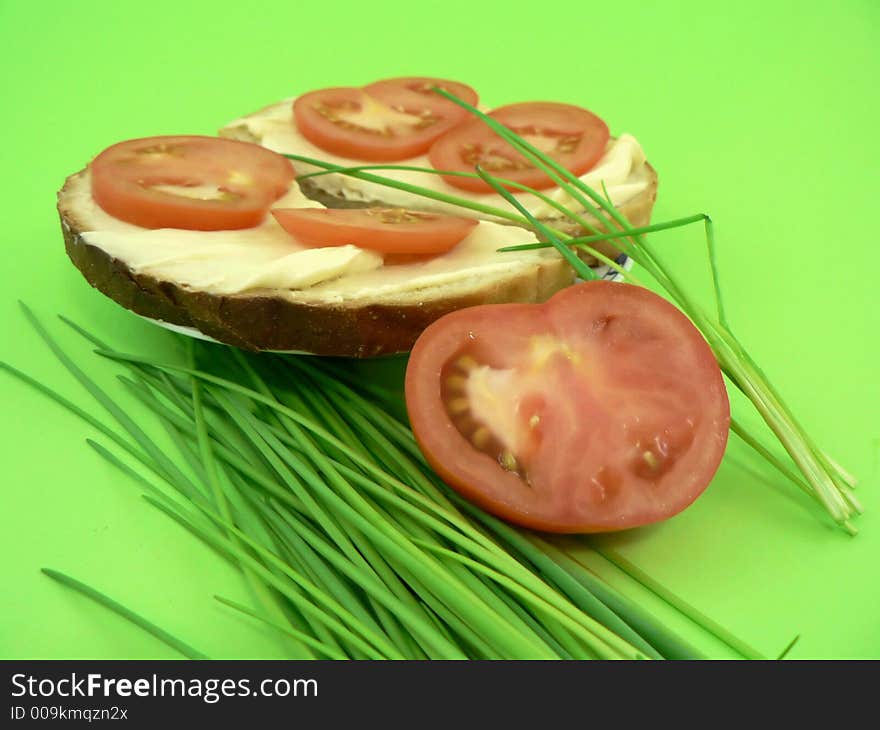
x=352, y=547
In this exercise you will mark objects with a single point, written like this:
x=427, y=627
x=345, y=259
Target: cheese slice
x=268, y=260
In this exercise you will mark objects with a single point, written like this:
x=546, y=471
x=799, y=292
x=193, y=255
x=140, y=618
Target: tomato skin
x=249, y=177
x=579, y=136
x=323, y=117
x=638, y=371
x=387, y=230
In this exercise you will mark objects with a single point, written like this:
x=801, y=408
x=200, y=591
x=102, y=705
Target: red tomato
x=197, y=183
x=574, y=137
x=602, y=409
x=383, y=122
x=389, y=230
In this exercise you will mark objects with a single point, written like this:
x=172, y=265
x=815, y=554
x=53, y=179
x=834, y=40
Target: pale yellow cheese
x=266, y=259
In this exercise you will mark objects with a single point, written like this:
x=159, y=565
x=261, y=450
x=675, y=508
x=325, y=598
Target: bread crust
x=258, y=322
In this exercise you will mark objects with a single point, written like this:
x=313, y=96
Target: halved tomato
x=389, y=230
x=602, y=409
x=574, y=137
x=192, y=182
x=386, y=121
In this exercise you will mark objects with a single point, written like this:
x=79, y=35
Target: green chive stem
x=126, y=613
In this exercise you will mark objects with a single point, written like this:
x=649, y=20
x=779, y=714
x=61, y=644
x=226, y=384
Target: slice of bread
x=358, y=306
x=371, y=318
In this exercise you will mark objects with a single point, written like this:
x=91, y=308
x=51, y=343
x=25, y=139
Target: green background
x=764, y=114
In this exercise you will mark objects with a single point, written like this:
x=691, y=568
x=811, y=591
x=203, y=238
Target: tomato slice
x=415, y=95
x=389, y=230
x=192, y=182
x=386, y=121
x=574, y=137
x=601, y=409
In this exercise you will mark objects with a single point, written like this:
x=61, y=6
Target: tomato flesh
x=387, y=121
x=602, y=409
x=190, y=182
x=416, y=95
x=574, y=137
x=388, y=230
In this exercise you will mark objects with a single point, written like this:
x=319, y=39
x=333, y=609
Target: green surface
x=763, y=114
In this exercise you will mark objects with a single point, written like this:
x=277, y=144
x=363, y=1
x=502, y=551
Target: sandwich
x=225, y=237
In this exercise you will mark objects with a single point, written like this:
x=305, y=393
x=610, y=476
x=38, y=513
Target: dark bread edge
x=275, y=323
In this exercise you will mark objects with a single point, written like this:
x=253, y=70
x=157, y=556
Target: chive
x=584, y=597
x=302, y=562
x=611, y=646
x=261, y=590
x=623, y=616
x=309, y=539
x=713, y=265
x=325, y=409
x=485, y=555
x=221, y=488
x=787, y=650
x=315, y=574
x=294, y=416
x=552, y=636
x=124, y=468
x=294, y=479
x=126, y=613
x=763, y=451
x=325, y=609
x=543, y=197
x=141, y=391
x=584, y=271
x=151, y=489
x=638, y=575
x=230, y=457
x=332, y=380
x=291, y=530
x=666, y=225
x=88, y=418
x=328, y=651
